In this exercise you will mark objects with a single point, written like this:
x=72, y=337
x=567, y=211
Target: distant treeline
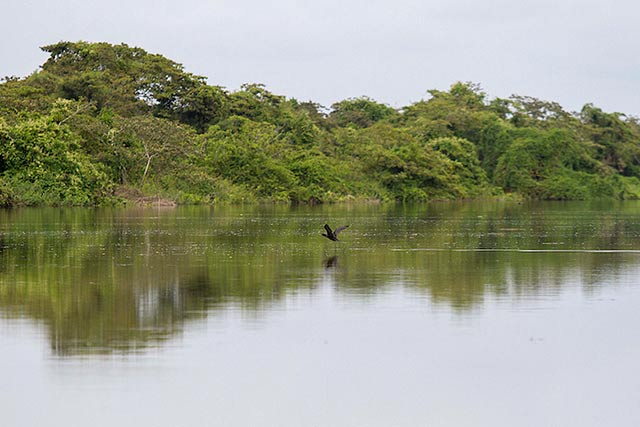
x=102, y=124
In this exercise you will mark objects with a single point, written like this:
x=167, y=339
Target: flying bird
x=333, y=235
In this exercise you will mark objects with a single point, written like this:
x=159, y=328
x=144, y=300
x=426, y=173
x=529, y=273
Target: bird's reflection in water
x=331, y=262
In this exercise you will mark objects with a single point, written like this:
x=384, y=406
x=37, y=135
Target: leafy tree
x=203, y=106
x=99, y=119
x=41, y=162
x=148, y=146
x=359, y=112
x=464, y=95
x=132, y=81
x=296, y=125
x=538, y=163
x=316, y=112
x=255, y=102
x=494, y=139
x=527, y=111
x=413, y=171
x=19, y=97
x=459, y=112
x=247, y=153
x=618, y=142
x=466, y=165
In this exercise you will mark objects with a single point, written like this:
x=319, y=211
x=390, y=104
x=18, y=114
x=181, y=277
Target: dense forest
x=106, y=124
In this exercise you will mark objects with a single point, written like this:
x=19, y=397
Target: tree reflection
x=106, y=281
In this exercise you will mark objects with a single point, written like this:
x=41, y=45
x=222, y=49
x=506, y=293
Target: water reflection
x=331, y=262
x=107, y=281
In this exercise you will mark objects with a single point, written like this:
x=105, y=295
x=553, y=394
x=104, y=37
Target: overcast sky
x=569, y=51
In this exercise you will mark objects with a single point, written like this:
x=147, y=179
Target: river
x=446, y=314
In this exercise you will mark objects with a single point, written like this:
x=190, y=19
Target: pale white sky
x=569, y=51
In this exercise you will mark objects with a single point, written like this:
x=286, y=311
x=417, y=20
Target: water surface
x=447, y=314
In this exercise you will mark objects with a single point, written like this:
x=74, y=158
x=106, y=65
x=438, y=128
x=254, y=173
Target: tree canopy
x=101, y=123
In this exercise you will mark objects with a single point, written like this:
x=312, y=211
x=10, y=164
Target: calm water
x=468, y=314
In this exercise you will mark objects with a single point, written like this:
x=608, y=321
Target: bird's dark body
x=333, y=234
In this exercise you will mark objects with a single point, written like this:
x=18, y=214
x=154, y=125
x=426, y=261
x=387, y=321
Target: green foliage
x=552, y=165
x=318, y=177
x=6, y=195
x=413, y=171
x=359, y=112
x=132, y=81
x=527, y=111
x=494, y=139
x=203, y=106
x=617, y=141
x=466, y=95
x=99, y=120
x=460, y=112
x=42, y=164
x=466, y=166
x=247, y=153
x=255, y=102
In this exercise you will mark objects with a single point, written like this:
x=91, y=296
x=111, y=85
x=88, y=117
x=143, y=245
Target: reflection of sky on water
x=439, y=315
x=389, y=358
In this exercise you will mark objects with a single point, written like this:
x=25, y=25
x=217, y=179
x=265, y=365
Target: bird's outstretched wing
x=339, y=229
x=329, y=234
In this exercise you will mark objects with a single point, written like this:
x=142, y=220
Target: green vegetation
x=101, y=123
